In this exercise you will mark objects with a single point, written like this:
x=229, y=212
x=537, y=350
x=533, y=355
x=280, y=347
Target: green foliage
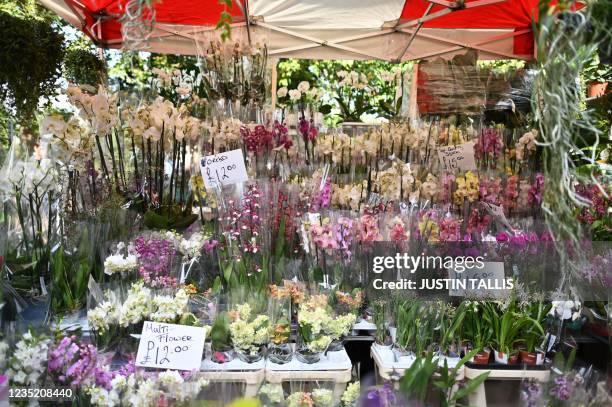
x=225, y=21
x=502, y=66
x=133, y=71
x=415, y=382
x=418, y=379
x=345, y=103
x=220, y=334
x=448, y=379
x=83, y=67
x=70, y=275
x=32, y=50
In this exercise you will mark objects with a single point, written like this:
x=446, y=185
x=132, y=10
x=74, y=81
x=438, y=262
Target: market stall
x=215, y=234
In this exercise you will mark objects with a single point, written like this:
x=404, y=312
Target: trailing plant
x=564, y=49
x=32, y=49
x=83, y=67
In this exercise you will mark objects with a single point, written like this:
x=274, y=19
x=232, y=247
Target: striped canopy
x=394, y=30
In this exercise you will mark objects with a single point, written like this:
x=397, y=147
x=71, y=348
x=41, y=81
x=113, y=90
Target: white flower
x=282, y=92
x=303, y=86
x=322, y=397
x=117, y=263
x=100, y=317
x=295, y=95
x=351, y=394
x=152, y=133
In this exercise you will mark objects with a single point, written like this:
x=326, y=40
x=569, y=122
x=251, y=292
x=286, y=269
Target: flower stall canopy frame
x=393, y=30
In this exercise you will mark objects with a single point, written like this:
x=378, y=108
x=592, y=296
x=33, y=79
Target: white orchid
x=282, y=92
x=295, y=95
x=303, y=86
x=566, y=309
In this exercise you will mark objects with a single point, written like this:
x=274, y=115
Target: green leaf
x=470, y=386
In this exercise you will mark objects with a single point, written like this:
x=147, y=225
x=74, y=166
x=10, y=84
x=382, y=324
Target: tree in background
x=353, y=88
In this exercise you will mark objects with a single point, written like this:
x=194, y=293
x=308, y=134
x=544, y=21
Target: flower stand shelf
x=251, y=374
x=479, y=398
x=334, y=367
x=387, y=368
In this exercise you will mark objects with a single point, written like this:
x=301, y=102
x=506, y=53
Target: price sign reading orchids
x=170, y=346
x=458, y=157
x=223, y=169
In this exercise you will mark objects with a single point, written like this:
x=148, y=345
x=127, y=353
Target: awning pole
x=274, y=83
x=414, y=33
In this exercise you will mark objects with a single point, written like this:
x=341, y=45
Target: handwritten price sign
x=459, y=157
x=223, y=169
x=170, y=346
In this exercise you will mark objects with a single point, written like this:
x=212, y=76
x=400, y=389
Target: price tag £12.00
x=223, y=169
x=170, y=346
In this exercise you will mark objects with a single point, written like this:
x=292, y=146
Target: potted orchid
x=337, y=328
x=279, y=349
x=312, y=340
x=249, y=333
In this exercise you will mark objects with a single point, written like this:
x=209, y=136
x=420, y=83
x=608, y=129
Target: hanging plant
x=32, y=50
x=83, y=67
x=565, y=46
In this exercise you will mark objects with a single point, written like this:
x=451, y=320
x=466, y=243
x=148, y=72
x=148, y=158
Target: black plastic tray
x=499, y=366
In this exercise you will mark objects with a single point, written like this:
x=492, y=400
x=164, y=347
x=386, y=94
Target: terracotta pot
x=528, y=358
x=482, y=358
x=513, y=360
x=596, y=89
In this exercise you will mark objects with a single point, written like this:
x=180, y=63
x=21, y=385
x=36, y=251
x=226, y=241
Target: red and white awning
x=323, y=29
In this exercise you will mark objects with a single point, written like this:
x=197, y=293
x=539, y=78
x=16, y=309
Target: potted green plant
x=477, y=333
x=379, y=317
x=406, y=314
x=449, y=322
x=596, y=77
x=531, y=355
x=507, y=328
x=220, y=336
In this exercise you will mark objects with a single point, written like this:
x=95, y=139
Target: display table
x=388, y=368
x=334, y=367
x=479, y=398
x=251, y=374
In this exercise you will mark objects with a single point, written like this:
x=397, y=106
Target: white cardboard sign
x=223, y=169
x=457, y=157
x=170, y=346
x=492, y=270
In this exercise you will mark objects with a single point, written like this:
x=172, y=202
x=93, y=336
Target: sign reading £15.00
x=223, y=169
x=170, y=346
